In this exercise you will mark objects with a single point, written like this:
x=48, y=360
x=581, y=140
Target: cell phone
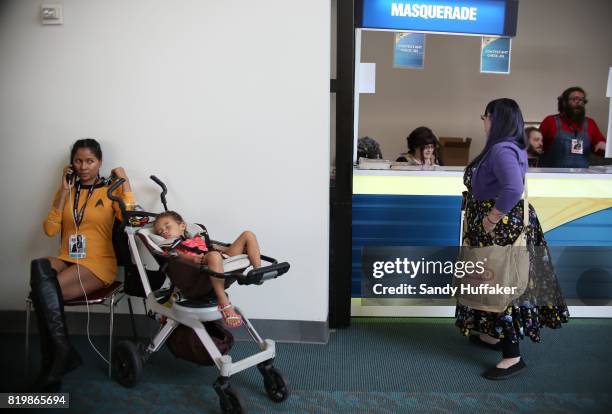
x=70, y=177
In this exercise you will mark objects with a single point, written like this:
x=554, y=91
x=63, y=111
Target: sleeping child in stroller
x=170, y=225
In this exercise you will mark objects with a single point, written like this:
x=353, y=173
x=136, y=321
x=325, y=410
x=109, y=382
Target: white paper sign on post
x=367, y=78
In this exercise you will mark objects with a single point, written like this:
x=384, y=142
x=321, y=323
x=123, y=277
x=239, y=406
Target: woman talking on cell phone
x=84, y=216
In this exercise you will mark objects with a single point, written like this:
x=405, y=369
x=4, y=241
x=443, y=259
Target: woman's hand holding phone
x=68, y=178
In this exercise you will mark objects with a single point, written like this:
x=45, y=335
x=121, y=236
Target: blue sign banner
x=409, y=50
x=495, y=55
x=484, y=17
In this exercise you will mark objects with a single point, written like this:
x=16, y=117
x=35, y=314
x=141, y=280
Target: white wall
x=227, y=101
x=559, y=43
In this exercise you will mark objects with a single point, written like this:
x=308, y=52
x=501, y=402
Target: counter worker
x=570, y=136
x=535, y=145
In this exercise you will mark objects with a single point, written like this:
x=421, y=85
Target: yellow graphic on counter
x=555, y=212
x=557, y=200
x=584, y=187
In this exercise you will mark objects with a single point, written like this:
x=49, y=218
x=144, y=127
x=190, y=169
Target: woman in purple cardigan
x=494, y=215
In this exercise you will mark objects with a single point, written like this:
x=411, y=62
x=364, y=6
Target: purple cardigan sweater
x=500, y=176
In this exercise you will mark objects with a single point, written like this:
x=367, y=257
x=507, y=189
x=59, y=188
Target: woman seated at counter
x=422, y=148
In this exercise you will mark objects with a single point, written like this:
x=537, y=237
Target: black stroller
x=186, y=308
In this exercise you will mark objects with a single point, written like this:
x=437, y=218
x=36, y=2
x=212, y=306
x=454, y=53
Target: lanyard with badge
x=77, y=242
x=576, y=145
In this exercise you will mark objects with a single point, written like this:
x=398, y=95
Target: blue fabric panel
x=390, y=220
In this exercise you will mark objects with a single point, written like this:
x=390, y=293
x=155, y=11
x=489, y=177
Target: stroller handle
x=109, y=193
x=164, y=190
x=125, y=214
x=113, y=197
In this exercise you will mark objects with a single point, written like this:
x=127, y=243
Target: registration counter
x=413, y=207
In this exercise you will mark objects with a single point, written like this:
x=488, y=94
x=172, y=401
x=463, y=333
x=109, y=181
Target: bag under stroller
x=185, y=344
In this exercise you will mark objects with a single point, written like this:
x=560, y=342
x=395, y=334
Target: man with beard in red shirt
x=570, y=136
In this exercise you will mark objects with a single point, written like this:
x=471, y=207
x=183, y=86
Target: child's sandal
x=228, y=318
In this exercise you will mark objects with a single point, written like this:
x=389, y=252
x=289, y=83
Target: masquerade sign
x=478, y=17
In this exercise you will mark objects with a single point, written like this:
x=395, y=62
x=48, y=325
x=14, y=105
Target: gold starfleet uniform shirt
x=97, y=227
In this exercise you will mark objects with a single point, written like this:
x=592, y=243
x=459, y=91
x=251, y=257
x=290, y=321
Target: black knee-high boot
x=46, y=346
x=49, y=307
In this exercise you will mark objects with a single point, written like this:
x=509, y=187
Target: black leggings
x=510, y=350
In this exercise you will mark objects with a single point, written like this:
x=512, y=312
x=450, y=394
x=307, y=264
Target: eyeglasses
x=483, y=117
x=577, y=99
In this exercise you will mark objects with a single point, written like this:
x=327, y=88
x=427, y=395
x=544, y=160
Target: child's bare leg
x=214, y=261
x=246, y=243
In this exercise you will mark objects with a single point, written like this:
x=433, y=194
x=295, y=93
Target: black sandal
x=475, y=339
x=505, y=373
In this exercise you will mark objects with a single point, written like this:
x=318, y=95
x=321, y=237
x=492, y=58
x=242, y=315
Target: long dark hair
x=506, y=126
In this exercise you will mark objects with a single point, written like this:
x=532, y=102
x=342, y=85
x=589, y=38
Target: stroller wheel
x=275, y=384
x=231, y=403
x=127, y=364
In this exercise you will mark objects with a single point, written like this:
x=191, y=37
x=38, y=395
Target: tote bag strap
x=525, y=206
x=521, y=240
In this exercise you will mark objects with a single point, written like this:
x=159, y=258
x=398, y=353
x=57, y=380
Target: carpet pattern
x=375, y=366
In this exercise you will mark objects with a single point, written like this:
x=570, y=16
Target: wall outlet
x=51, y=14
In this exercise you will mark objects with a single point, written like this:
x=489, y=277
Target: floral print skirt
x=527, y=315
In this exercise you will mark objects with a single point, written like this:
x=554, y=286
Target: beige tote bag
x=503, y=274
